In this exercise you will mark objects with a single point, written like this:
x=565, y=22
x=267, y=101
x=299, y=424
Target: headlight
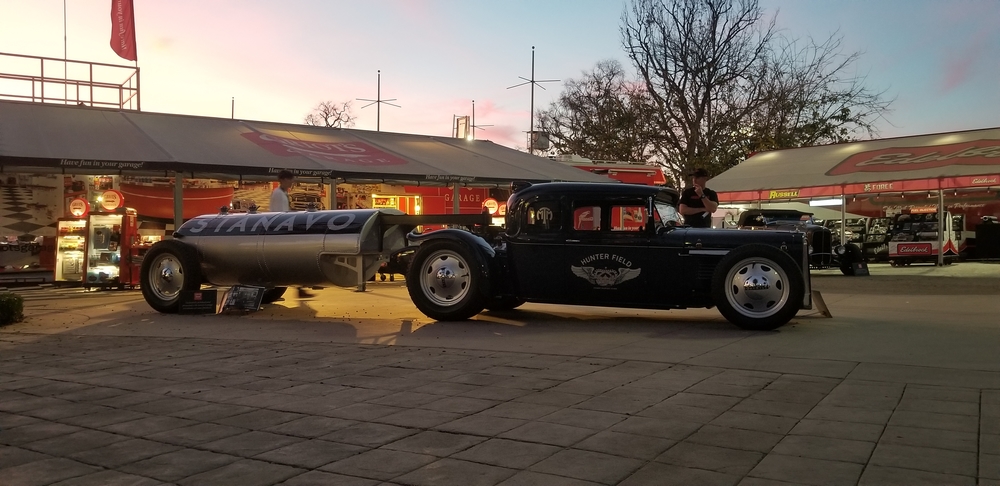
x=810, y=249
x=840, y=250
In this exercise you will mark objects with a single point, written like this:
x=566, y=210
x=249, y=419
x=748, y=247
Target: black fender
x=485, y=254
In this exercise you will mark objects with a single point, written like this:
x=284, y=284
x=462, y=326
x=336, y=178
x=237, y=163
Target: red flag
x=123, y=29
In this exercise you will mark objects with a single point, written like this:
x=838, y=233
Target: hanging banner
x=123, y=29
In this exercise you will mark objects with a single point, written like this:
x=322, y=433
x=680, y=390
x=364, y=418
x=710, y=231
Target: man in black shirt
x=698, y=202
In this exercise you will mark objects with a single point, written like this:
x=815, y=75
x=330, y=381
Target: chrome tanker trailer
x=275, y=250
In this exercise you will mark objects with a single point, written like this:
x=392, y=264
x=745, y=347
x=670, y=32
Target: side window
x=587, y=218
x=543, y=216
x=628, y=218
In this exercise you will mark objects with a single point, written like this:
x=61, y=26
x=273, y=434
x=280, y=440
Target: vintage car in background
x=825, y=250
x=614, y=245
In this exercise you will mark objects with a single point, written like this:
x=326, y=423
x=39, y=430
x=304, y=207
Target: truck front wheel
x=445, y=281
x=758, y=287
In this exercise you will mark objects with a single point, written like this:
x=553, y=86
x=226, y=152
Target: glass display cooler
x=99, y=250
x=71, y=245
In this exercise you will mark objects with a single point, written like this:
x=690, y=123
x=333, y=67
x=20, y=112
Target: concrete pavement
x=901, y=386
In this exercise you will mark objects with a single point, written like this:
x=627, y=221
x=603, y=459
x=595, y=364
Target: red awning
x=635, y=174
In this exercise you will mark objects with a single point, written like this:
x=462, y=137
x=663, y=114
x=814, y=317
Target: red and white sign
x=491, y=205
x=79, y=207
x=502, y=210
x=123, y=29
x=350, y=153
x=112, y=200
x=897, y=159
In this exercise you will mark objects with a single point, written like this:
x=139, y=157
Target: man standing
x=698, y=202
x=280, y=202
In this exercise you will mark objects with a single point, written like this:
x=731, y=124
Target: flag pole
x=65, y=57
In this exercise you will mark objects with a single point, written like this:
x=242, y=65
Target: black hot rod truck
x=614, y=245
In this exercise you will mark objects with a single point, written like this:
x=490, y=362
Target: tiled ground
x=82, y=410
x=26, y=211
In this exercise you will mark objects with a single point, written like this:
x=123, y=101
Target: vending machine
x=71, y=243
x=111, y=243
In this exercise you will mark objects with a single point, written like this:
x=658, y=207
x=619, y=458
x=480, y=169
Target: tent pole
x=454, y=199
x=178, y=200
x=843, y=217
x=943, y=223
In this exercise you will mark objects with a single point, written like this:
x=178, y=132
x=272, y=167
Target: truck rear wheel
x=445, y=281
x=758, y=287
x=168, y=269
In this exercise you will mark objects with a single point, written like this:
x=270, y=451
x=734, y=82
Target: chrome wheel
x=166, y=277
x=445, y=278
x=757, y=287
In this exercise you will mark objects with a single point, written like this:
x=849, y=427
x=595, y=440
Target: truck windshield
x=667, y=214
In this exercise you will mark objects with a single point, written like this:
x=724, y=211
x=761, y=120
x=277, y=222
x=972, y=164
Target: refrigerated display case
x=111, y=248
x=71, y=243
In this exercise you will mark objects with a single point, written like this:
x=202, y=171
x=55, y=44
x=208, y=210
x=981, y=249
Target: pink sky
x=279, y=59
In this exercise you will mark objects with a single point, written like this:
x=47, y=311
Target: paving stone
x=320, y=478
x=196, y=434
x=935, y=438
x=462, y=405
x=816, y=384
x=70, y=409
x=148, y=426
x=211, y=412
x=553, y=398
x=109, y=478
x=380, y=464
x=521, y=410
x=123, y=452
x=625, y=445
x=531, y=478
x=804, y=470
x=588, y=466
x=626, y=400
x=728, y=437
x=681, y=412
x=580, y=386
x=369, y=434
x=453, y=472
x=46, y=471
x=246, y=472
x=719, y=459
x=11, y=420
x=507, y=453
x=479, y=424
x=35, y=431
x=838, y=430
x=943, y=421
x=939, y=406
x=825, y=448
x=925, y=459
x=128, y=399
x=754, y=421
x=104, y=417
x=989, y=466
x=665, y=428
x=589, y=419
x=82, y=440
x=311, y=453
x=989, y=444
x=546, y=433
x=669, y=475
x=445, y=388
x=179, y=464
x=311, y=426
x=725, y=389
x=406, y=399
x=435, y=443
x=249, y=444
x=748, y=481
x=13, y=456
x=419, y=418
x=875, y=475
x=259, y=419
x=699, y=400
x=849, y=414
x=873, y=396
x=941, y=393
x=790, y=396
x=777, y=409
x=165, y=406
x=495, y=393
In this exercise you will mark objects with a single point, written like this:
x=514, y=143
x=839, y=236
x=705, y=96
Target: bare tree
x=724, y=83
x=330, y=114
x=602, y=116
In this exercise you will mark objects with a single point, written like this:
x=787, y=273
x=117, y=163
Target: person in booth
x=698, y=202
x=281, y=202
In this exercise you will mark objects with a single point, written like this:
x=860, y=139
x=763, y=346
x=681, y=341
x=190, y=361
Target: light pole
x=532, y=82
x=378, y=101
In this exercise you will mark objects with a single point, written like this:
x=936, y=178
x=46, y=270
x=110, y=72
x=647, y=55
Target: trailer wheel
x=504, y=303
x=445, y=281
x=272, y=295
x=168, y=269
x=758, y=287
